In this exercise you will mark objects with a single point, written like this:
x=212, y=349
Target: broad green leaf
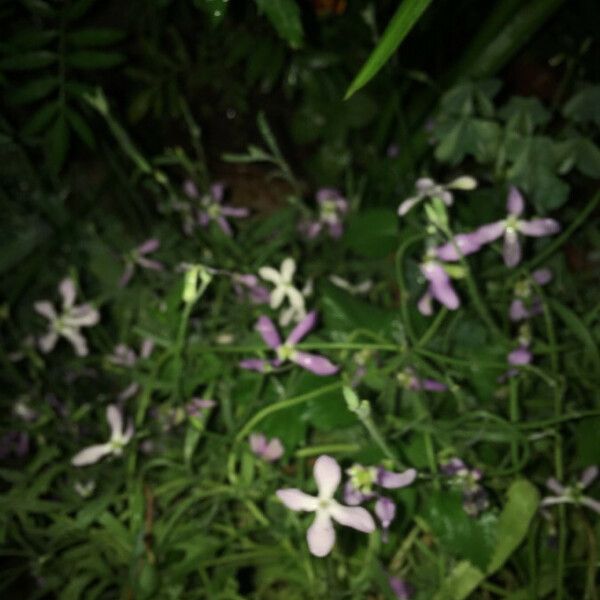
x=57, y=144
x=285, y=18
x=81, y=128
x=95, y=37
x=524, y=115
x=33, y=91
x=93, y=59
x=28, y=61
x=467, y=136
x=584, y=105
x=372, y=233
x=31, y=39
x=579, y=152
x=404, y=19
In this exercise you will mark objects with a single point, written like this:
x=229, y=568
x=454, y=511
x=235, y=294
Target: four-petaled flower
x=119, y=438
x=428, y=188
x=474, y=496
x=509, y=228
x=212, y=207
x=284, y=288
x=248, y=285
x=137, y=257
x=573, y=494
x=524, y=306
x=332, y=208
x=408, y=380
x=69, y=322
x=321, y=535
x=268, y=451
x=319, y=365
x=439, y=287
x=124, y=356
x=402, y=589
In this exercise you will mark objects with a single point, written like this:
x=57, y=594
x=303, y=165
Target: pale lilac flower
x=573, y=494
x=440, y=288
x=126, y=357
x=355, y=289
x=332, y=209
x=212, y=207
x=428, y=188
x=119, y=438
x=137, y=257
x=402, y=589
x=249, y=286
x=69, y=322
x=198, y=406
x=520, y=356
x=284, y=287
x=524, y=306
x=509, y=228
x=321, y=535
x=475, y=498
x=408, y=380
x=359, y=489
x=294, y=314
x=268, y=451
x=319, y=365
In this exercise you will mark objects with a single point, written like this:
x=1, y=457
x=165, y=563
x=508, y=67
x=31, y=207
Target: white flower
x=69, y=322
x=321, y=535
x=360, y=288
x=85, y=489
x=119, y=437
x=428, y=188
x=284, y=288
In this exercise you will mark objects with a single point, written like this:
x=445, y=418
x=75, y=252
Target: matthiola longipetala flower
x=269, y=451
x=211, y=207
x=408, y=380
x=137, y=257
x=283, y=282
x=69, y=322
x=475, y=498
x=321, y=534
x=439, y=286
x=119, y=438
x=248, y=286
x=525, y=304
x=355, y=289
x=428, y=188
x=573, y=494
x=126, y=357
x=401, y=588
x=319, y=365
x=332, y=208
x=360, y=488
x=509, y=228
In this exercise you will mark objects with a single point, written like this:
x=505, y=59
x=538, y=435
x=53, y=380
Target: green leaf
x=93, y=59
x=372, y=233
x=285, y=18
x=579, y=152
x=33, y=91
x=95, y=37
x=81, y=128
x=524, y=115
x=578, y=328
x=57, y=144
x=513, y=524
x=404, y=19
x=466, y=136
x=584, y=106
x=28, y=61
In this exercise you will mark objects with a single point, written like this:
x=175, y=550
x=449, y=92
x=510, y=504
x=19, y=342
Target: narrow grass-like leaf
x=95, y=37
x=405, y=18
x=91, y=59
x=285, y=18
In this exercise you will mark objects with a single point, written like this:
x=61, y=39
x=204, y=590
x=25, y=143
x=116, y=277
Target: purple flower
x=126, y=357
x=332, y=209
x=440, y=288
x=428, y=188
x=321, y=535
x=198, y=406
x=69, y=322
x=137, y=257
x=509, y=228
x=520, y=356
x=212, y=207
x=524, y=305
x=319, y=365
x=573, y=494
x=248, y=285
x=268, y=451
x=408, y=380
x=359, y=489
x=474, y=497
x=402, y=589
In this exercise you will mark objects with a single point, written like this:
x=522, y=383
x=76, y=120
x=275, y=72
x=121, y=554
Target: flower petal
x=319, y=365
x=258, y=442
x=297, y=500
x=115, y=420
x=150, y=245
x=588, y=476
x=148, y=263
x=555, y=486
x=67, y=291
x=268, y=332
x=440, y=285
x=78, y=342
x=217, y=191
x=91, y=455
x=296, y=299
x=288, y=268
x=48, y=341
x=407, y=204
x=465, y=182
x=539, y=227
x=273, y=450
x=520, y=356
x=127, y=274
x=511, y=250
x=385, y=509
x=590, y=503
x=236, y=212
x=518, y=311
x=321, y=535
x=327, y=474
x=424, y=185
x=352, y=496
x=352, y=516
x=424, y=305
x=84, y=315
x=431, y=385
x=224, y=226
x=514, y=202
x=277, y=296
x=255, y=364
x=190, y=189
x=542, y=276
x=468, y=243
x=303, y=328
x=490, y=232
x=270, y=274
x=46, y=309
x=391, y=480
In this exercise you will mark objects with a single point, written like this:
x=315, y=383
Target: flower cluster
x=475, y=498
